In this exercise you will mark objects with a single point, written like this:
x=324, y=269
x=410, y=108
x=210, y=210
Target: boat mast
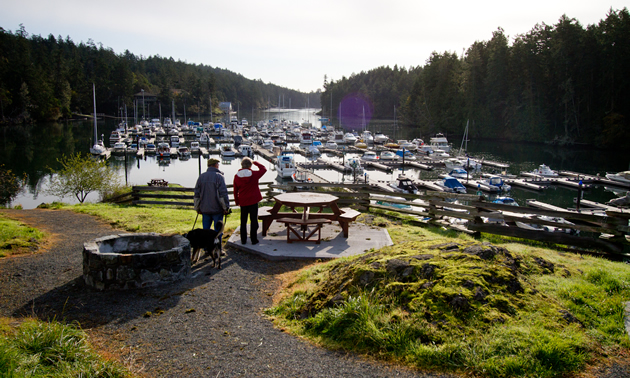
x=94, y=96
x=465, y=138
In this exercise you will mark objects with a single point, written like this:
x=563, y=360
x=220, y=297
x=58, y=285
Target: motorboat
x=227, y=151
x=331, y=144
x=367, y=137
x=204, y=138
x=354, y=165
x=403, y=143
x=440, y=141
x=246, y=150
x=440, y=154
x=174, y=141
x=195, y=148
x=380, y=138
x=360, y=144
x=163, y=150
x=132, y=149
x=425, y=149
x=462, y=162
x=459, y=173
x=405, y=154
x=119, y=148
x=369, y=156
x=349, y=138
x=150, y=149
x=306, y=138
x=317, y=144
x=388, y=155
x=450, y=184
x=404, y=184
x=267, y=144
x=391, y=145
x=183, y=152
x=621, y=176
x=114, y=137
x=544, y=170
x=497, y=182
x=285, y=165
x=313, y=150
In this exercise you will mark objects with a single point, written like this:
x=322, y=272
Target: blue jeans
x=208, y=219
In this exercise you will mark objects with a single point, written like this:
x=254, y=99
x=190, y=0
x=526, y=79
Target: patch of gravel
x=210, y=325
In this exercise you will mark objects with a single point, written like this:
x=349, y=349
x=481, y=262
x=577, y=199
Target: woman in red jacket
x=247, y=195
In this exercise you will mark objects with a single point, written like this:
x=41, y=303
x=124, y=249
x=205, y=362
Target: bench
x=157, y=182
x=301, y=234
x=347, y=215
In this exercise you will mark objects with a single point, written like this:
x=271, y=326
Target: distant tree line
x=47, y=79
x=561, y=84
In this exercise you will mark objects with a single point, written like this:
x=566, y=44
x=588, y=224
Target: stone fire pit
x=129, y=261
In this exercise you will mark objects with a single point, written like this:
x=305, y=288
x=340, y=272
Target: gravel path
x=207, y=326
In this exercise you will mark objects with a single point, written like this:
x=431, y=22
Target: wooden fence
x=604, y=230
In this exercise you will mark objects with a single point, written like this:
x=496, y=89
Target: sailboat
x=98, y=148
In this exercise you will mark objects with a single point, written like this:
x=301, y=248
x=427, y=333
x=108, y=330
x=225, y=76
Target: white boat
x=369, y=156
x=544, y=170
x=462, y=162
x=403, y=143
x=267, y=144
x=331, y=144
x=388, y=155
x=405, y=155
x=194, y=148
x=183, y=152
x=163, y=150
x=451, y=185
x=497, y=182
x=367, y=137
x=246, y=150
x=227, y=151
x=404, y=184
x=114, y=137
x=119, y=148
x=285, y=165
x=349, y=138
x=312, y=150
x=204, y=138
x=306, y=138
x=354, y=165
x=459, y=173
x=440, y=141
x=150, y=149
x=621, y=176
x=98, y=147
x=174, y=141
x=384, y=202
x=380, y=138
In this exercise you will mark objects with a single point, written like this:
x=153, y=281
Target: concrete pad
x=361, y=238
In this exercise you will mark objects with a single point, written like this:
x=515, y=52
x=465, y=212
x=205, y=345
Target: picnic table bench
x=305, y=218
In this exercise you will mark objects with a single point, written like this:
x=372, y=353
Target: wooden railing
x=604, y=230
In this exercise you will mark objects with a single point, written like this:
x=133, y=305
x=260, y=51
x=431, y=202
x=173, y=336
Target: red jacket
x=246, y=190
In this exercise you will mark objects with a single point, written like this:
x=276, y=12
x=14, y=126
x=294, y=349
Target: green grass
x=16, y=238
x=441, y=300
x=513, y=310
x=51, y=349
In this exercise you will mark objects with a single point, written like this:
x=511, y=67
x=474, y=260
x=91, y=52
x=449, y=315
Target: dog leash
x=194, y=224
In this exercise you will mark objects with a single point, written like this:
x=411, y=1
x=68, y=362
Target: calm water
x=31, y=151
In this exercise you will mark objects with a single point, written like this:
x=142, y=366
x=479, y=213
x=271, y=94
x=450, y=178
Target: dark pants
x=252, y=212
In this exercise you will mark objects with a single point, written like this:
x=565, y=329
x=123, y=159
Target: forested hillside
x=47, y=79
x=561, y=83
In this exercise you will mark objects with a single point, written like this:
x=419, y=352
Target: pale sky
x=292, y=43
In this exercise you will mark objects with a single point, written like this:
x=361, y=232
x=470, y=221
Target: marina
x=141, y=162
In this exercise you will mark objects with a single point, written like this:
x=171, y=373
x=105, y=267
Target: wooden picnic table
x=307, y=201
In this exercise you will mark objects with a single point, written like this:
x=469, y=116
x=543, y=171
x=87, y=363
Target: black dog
x=208, y=240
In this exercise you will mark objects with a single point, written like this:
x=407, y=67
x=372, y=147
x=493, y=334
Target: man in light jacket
x=247, y=195
x=211, y=196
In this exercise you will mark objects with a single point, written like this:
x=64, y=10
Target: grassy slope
x=16, y=238
x=442, y=301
